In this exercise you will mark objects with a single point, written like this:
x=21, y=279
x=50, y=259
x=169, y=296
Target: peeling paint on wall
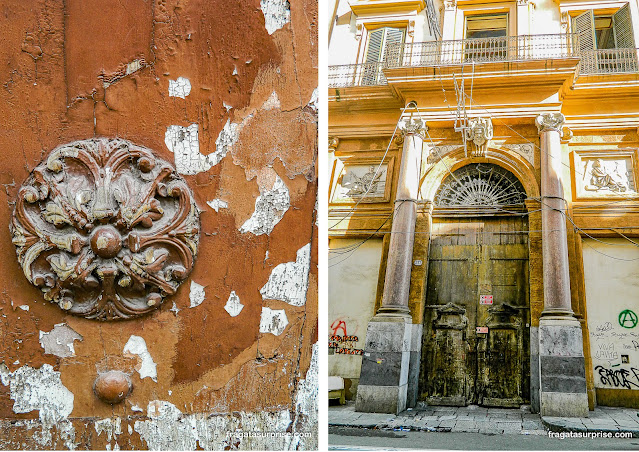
x=272, y=102
x=59, y=341
x=273, y=321
x=112, y=427
x=288, y=282
x=169, y=429
x=38, y=389
x=277, y=13
x=185, y=145
x=314, y=102
x=270, y=207
x=146, y=367
x=233, y=305
x=196, y=294
x=180, y=87
x=217, y=204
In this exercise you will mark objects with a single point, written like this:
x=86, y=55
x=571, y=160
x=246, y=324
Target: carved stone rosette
x=550, y=121
x=105, y=229
x=479, y=132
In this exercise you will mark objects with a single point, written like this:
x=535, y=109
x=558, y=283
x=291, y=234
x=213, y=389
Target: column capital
x=411, y=126
x=550, y=121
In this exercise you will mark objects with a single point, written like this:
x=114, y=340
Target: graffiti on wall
x=615, y=351
x=342, y=344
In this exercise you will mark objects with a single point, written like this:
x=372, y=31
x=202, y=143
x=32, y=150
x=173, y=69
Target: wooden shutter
x=393, y=41
x=375, y=42
x=624, y=38
x=584, y=26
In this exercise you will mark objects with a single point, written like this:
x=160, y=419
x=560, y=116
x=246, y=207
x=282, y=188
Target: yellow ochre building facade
x=483, y=214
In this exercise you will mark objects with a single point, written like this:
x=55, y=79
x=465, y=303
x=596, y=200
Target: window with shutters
x=486, y=37
x=606, y=42
x=383, y=46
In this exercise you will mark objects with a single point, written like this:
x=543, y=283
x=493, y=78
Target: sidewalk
x=476, y=419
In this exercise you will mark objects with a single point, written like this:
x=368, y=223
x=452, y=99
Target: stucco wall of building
x=237, y=83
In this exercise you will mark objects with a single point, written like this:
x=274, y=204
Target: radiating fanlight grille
x=481, y=184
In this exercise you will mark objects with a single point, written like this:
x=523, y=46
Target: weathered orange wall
x=56, y=57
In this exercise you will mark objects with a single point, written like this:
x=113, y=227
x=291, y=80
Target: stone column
x=384, y=375
x=561, y=358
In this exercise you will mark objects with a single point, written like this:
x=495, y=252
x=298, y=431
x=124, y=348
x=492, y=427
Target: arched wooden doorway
x=476, y=321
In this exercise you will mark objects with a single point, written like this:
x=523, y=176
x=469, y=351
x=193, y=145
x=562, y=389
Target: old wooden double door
x=476, y=321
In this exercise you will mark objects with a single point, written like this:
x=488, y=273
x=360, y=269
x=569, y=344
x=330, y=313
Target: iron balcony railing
x=482, y=50
x=368, y=74
x=609, y=61
x=485, y=50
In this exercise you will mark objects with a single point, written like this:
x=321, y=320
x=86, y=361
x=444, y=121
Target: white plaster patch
x=24, y=307
x=111, y=426
x=136, y=345
x=38, y=389
x=277, y=13
x=227, y=106
x=217, y=204
x=180, y=87
x=307, y=397
x=288, y=282
x=270, y=207
x=233, y=305
x=197, y=294
x=185, y=145
x=59, y=341
x=169, y=429
x=136, y=408
x=273, y=321
x=314, y=102
x=234, y=70
x=272, y=102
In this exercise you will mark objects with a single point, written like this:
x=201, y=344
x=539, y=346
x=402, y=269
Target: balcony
x=483, y=50
x=368, y=74
x=608, y=61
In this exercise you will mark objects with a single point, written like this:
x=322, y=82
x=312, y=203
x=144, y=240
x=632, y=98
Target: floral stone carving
x=105, y=229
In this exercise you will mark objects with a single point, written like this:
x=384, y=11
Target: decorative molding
x=522, y=2
x=437, y=152
x=526, y=150
x=603, y=174
x=105, y=228
x=412, y=126
x=479, y=132
x=333, y=142
x=358, y=180
x=359, y=29
x=547, y=122
x=450, y=5
x=564, y=20
x=411, y=28
x=566, y=134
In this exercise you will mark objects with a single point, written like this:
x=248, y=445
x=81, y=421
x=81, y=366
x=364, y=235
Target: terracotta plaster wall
x=78, y=69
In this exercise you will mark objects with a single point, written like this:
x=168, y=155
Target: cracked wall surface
x=226, y=92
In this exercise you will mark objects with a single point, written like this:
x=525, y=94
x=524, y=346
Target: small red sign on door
x=485, y=299
x=482, y=330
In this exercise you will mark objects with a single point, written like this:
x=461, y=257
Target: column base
x=384, y=378
x=562, y=371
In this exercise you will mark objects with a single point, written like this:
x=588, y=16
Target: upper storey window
x=606, y=41
x=604, y=31
x=379, y=40
x=487, y=26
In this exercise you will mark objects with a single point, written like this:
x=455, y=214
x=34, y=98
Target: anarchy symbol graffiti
x=627, y=319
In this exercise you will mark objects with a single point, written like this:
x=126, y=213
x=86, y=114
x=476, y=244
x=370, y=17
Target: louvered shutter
x=392, y=46
x=372, y=67
x=624, y=38
x=375, y=42
x=584, y=26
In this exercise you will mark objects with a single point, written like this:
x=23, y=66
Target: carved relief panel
x=105, y=229
x=362, y=180
x=598, y=174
